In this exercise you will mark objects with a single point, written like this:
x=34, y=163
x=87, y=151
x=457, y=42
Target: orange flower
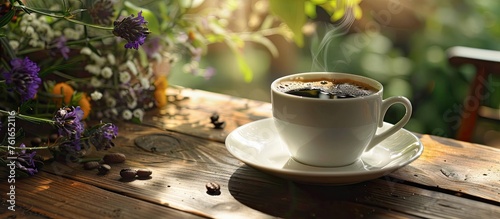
x=65, y=90
x=84, y=104
x=161, y=85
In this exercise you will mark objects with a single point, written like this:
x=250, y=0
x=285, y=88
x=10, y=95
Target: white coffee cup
x=332, y=132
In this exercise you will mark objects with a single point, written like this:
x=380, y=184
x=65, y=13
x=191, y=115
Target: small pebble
x=91, y=165
x=128, y=173
x=112, y=158
x=213, y=188
x=103, y=169
x=144, y=173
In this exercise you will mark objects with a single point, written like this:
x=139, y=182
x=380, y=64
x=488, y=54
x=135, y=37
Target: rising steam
x=320, y=57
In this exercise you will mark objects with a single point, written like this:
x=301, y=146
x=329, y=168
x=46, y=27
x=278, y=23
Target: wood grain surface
x=451, y=179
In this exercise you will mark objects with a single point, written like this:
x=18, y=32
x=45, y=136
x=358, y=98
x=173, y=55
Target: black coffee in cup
x=326, y=88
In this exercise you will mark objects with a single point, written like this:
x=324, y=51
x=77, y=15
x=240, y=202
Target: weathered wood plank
x=180, y=174
x=188, y=153
x=464, y=175
x=381, y=196
x=49, y=196
x=456, y=166
x=191, y=114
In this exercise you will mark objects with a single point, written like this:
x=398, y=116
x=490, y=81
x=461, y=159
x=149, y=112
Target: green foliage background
x=418, y=67
x=415, y=65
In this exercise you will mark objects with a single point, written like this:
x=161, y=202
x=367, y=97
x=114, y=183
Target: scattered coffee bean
x=112, y=158
x=103, y=169
x=219, y=125
x=91, y=165
x=144, y=173
x=53, y=137
x=128, y=173
x=214, y=118
x=35, y=142
x=213, y=188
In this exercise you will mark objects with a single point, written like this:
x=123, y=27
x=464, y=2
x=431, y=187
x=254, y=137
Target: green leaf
x=244, y=67
x=310, y=10
x=338, y=14
x=268, y=44
x=292, y=13
x=153, y=23
x=242, y=63
x=143, y=57
x=4, y=42
x=5, y=19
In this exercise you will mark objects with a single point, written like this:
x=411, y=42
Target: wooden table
x=451, y=179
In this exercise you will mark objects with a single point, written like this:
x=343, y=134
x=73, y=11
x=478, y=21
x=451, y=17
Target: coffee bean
x=112, y=158
x=91, y=165
x=103, y=169
x=214, y=117
x=35, y=142
x=128, y=173
x=53, y=137
x=213, y=188
x=219, y=124
x=144, y=173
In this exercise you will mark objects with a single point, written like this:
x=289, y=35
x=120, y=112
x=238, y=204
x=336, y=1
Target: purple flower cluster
x=69, y=125
x=152, y=46
x=68, y=122
x=26, y=162
x=132, y=29
x=103, y=135
x=60, y=46
x=23, y=77
x=101, y=12
x=71, y=149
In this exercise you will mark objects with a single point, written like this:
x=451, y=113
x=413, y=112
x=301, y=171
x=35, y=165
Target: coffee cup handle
x=383, y=110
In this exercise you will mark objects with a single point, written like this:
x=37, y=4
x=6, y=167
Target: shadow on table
x=282, y=198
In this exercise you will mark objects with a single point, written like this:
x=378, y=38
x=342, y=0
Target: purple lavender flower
x=102, y=137
x=101, y=12
x=26, y=162
x=68, y=122
x=132, y=29
x=152, y=46
x=23, y=77
x=71, y=148
x=209, y=73
x=60, y=45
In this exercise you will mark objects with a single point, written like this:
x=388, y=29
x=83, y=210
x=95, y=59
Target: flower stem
x=76, y=42
x=23, y=148
x=28, y=10
x=29, y=118
x=88, y=25
x=69, y=43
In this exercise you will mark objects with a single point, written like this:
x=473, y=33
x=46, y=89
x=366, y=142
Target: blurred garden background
x=401, y=43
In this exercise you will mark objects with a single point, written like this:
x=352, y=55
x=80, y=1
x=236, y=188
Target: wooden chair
x=486, y=62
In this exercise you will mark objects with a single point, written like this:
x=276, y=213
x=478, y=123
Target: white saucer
x=258, y=145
